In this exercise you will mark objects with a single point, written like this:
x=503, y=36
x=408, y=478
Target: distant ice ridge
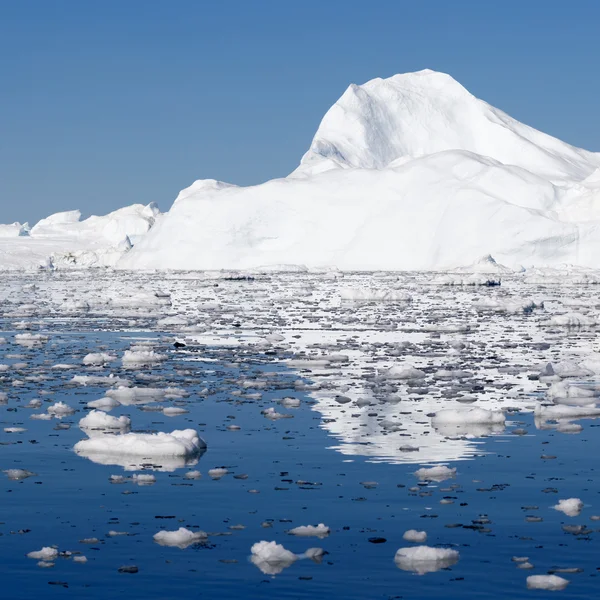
x=63, y=240
x=407, y=173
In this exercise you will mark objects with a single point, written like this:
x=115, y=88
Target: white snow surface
x=406, y=173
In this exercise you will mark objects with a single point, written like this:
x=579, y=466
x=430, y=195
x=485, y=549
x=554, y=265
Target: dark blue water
x=299, y=482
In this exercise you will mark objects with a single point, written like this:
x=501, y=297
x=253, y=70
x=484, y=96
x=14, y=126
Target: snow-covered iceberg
x=411, y=172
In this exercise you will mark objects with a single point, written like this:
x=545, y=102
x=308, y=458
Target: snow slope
x=406, y=173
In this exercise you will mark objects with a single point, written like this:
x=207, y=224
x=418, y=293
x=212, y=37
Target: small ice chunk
x=98, y=359
x=271, y=558
x=60, y=409
x=425, y=559
x=182, y=443
x=319, y=530
x=144, y=479
x=217, y=473
x=97, y=419
x=571, y=506
x=173, y=411
x=46, y=553
x=105, y=403
x=412, y=535
x=181, y=538
x=546, y=582
x=403, y=372
x=18, y=474
x=438, y=473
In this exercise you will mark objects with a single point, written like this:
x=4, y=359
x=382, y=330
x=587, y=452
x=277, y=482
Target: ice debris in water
x=571, y=507
x=18, y=474
x=319, y=530
x=105, y=404
x=271, y=413
x=403, y=372
x=144, y=479
x=182, y=443
x=97, y=419
x=546, y=582
x=97, y=359
x=471, y=415
x=181, y=538
x=60, y=409
x=425, y=559
x=134, y=359
x=46, y=553
x=438, y=473
x=412, y=535
x=271, y=558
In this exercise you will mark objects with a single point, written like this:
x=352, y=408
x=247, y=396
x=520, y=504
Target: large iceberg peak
x=415, y=114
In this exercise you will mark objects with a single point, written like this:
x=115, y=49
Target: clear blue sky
x=107, y=103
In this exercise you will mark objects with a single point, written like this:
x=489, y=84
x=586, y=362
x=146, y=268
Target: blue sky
x=109, y=103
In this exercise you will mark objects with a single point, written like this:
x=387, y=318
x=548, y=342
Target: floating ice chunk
x=105, y=403
x=470, y=415
x=108, y=380
x=18, y=474
x=571, y=507
x=217, y=472
x=425, y=559
x=98, y=359
x=136, y=395
x=319, y=530
x=412, y=535
x=98, y=419
x=193, y=475
x=315, y=554
x=546, y=582
x=134, y=359
x=46, y=553
x=80, y=559
x=272, y=414
x=179, y=443
x=41, y=417
x=173, y=411
x=289, y=402
x=404, y=372
x=374, y=295
x=506, y=306
x=439, y=473
x=30, y=339
x=271, y=558
x=561, y=411
x=60, y=409
x=181, y=538
x=144, y=479
x=14, y=429
x=570, y=320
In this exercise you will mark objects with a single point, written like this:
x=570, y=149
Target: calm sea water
x=294, y=477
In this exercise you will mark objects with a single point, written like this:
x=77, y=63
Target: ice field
x=300, y=434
